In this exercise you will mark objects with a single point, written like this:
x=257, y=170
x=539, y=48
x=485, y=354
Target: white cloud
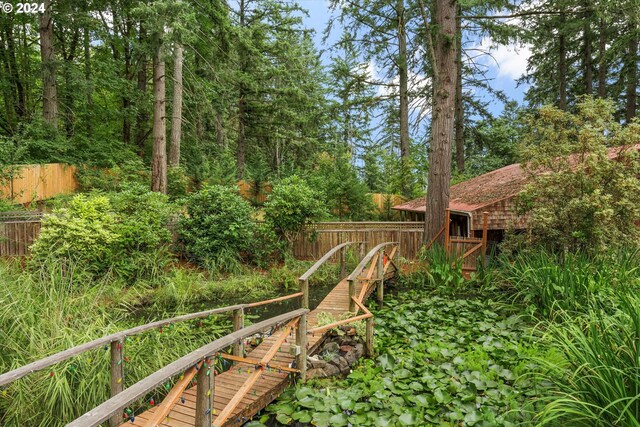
x=509, y=60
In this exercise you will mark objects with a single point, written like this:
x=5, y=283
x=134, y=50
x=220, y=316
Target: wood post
x=361, y=253
x=368, y=344
x=238, y=323
x=380, y=288
x=447, y=225
x=352, y=294
x=117, y=376
x=485, y=228
x=301, y=341
x=304, y=288
x=204, y=395
x=342, y=262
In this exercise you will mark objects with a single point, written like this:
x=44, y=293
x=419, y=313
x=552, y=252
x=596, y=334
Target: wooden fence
x=319, y=238
x=17, y=236
x=31, y=183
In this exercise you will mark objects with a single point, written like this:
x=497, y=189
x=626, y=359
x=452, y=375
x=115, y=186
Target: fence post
x=205, y=391
x=352, y=295
x=447, y=239
x=361, y=250
x=301, y=342
x=117, y=376
x=238, y=323
x=485, y=227
x=380, y=289
x=342, y=261
x=304, y=288
x=368, y=344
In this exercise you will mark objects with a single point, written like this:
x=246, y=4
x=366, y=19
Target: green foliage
x=440, y=362
x=113, y=179
x=578, y=197
x=177, y=182
x=601, y=378
x=83, y=233
x=54, y=310
x=290, y=206
x=572, y=283
x=218, y=226
x=345, y=194
x=121, y=232
x=437, y=271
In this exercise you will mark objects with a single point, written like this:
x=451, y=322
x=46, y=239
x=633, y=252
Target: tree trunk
x=241, y=146
x=587, y=52
x=442, y=117
x=632, y=76
x=459, y=109
x=404, y=96
x=602, y=65
x=562, y=66
x=86, y=41
x=126, y=96
x=47, y=54
x=176, y=117
x=142, y=117
x=159, y=153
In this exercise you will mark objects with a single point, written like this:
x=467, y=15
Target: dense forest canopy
x=239, y=89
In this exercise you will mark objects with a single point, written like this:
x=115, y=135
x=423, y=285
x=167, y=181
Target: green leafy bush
x=290, y=206
x=177, y=182
x=121, y=232
x=84, y=233
x=218, y=225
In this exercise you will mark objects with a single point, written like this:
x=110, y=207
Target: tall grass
x=572, y=283
x=602, y=387
x=41, y=314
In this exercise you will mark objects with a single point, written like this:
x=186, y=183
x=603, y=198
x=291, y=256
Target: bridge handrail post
x=301, y=342
x=343, y=265
x=205, y=391
x=368, y=343
x=352, y=294
x=380, y=288
x=117, y=375
x=304, y=288
x=238, y=323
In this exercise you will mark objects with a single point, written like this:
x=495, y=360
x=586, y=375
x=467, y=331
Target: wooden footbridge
x=201, y=396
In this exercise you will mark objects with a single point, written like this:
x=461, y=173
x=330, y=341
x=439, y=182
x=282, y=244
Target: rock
x=351, y=357
x=331, y=347
x=341, y=363
x=348, y=341
x=318, y=364
x=359, y=350
x=331, y=370
x=346, y=348
x=315, y=373
x=351, y=332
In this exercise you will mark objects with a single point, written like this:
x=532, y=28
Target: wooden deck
x=270, y=384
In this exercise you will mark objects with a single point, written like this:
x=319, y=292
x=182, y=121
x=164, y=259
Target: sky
x=505, y=65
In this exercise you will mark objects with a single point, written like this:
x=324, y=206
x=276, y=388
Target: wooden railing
x=116, y=342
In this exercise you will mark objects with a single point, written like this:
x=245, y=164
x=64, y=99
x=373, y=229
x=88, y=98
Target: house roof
x=484, y=190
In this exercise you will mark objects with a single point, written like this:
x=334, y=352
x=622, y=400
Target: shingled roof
x=484, y=190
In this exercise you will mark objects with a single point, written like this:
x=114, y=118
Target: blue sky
x=506, y=66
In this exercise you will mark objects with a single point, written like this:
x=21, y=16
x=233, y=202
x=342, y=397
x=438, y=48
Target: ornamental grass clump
x=601, y=373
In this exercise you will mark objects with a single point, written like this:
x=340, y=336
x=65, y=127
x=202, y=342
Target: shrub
x=578, y=198
x=177, y=182
x=290, y=206
x=218, y=224
x=142, y=231
x=84, y=232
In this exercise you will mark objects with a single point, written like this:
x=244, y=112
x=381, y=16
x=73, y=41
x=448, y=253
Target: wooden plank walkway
x=270, y=385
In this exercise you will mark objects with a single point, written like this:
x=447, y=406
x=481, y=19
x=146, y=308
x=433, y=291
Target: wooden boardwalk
x=270, y=384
